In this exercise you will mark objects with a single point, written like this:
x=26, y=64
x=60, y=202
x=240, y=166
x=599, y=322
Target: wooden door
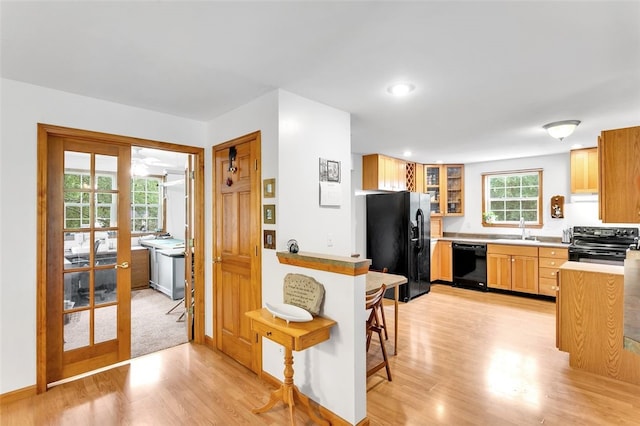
x=88, y=252
x=499, y=271
x=524, y=274
x=237, y=253
x=446, y=261
x=619, y=196
x=584, y=170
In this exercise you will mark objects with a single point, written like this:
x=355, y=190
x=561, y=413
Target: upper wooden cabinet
x=584, y=171
x=619, y=181
x=445, y=182
x=380, y=172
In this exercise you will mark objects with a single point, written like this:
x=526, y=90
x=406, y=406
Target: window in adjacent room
x=147, y=202
x=509, y=196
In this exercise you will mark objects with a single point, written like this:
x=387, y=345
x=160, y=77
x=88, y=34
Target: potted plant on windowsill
x=488, y=218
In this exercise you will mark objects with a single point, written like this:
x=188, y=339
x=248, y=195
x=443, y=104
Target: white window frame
x=509, y=215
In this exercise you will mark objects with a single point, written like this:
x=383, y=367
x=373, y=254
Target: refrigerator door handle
x=420, y=222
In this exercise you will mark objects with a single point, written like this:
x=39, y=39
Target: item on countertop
x=304, y=292
x=289, y=313
x=292, y=245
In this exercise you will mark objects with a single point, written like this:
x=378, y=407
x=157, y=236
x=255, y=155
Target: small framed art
x=269, y=188
x=270, y=239
x=269, y=212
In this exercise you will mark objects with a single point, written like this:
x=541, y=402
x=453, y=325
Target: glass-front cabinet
x=445, y=183
x=432, y=186
x=455, y=194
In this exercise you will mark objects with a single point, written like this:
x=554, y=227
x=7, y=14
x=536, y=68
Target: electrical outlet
x=329, y=240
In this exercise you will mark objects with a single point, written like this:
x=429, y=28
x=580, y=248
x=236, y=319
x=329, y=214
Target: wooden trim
x=209, y=342
x=325, y=262
x=18, y=394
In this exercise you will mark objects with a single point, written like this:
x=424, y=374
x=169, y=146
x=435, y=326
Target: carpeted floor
x=152, y=329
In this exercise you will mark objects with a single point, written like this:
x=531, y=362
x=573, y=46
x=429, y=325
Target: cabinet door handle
x=553, y=263
x=123, y=265
x=268, y=333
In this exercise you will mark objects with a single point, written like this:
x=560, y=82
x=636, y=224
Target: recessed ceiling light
x=407, y=154
x=401, y=89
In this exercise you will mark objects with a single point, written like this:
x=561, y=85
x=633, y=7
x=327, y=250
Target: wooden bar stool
x=373, y=302
x=383, y=322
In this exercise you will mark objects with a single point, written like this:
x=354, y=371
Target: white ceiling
x=488, y=75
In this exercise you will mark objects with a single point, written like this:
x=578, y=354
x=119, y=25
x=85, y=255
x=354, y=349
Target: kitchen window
x=509, y=196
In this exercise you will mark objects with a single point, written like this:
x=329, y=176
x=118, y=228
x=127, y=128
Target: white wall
x=260, y=114
x=555, y=181
x=296, y=133
x=22, y=106
x=556, y=175
x=310, y=131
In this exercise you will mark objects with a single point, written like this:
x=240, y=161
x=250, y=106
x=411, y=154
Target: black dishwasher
x=470, y=265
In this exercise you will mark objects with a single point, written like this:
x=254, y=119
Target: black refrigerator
x=398, y=238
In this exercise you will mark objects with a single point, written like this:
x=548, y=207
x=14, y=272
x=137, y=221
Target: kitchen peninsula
x=589, y=320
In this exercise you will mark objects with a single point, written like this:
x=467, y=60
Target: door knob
x=123, y=265
x=217, y=260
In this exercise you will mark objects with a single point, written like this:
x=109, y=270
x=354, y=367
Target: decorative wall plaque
x=304, y=292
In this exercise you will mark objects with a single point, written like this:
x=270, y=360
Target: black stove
x=601, y=244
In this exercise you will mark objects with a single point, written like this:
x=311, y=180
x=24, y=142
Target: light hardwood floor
x=465, y=358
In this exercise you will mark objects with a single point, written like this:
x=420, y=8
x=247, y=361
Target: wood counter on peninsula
x=589, y=320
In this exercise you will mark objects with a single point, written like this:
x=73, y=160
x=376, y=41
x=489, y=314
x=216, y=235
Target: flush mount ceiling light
x=401, y=89
x=561, y=129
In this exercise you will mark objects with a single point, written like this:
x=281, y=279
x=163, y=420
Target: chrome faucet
x=521, y=226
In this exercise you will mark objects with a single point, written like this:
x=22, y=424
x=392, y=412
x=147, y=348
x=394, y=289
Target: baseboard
x=18, y=394
x=208, y=342
x=333, y=418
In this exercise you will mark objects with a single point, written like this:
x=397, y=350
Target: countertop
x=162, y=243
x=505, y=241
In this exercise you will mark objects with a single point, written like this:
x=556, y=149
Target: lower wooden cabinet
x=512, y=268
x=443, y=261
x=549, y=262
x=139, y=268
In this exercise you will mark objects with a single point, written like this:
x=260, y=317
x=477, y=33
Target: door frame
x=44, y=132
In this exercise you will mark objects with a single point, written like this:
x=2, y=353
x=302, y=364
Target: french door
x=88, y=251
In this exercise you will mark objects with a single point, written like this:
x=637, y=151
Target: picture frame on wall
x=269, y=239
x=333, y=171
x=269, y=213
x=269, y=188
x=329, y=170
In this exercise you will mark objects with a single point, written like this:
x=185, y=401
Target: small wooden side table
x=293, y=336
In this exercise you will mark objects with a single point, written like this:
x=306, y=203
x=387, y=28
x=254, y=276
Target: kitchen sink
x=514, y=241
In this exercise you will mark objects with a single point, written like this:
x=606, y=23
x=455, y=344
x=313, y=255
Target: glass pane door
x=90, y=219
